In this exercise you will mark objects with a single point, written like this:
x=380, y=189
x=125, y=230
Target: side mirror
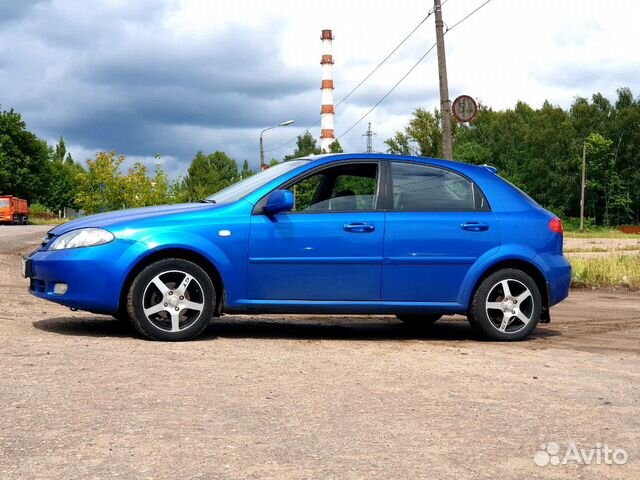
x=279, y=201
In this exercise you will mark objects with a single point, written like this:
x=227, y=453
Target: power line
x=389, y=92
x=353, y=90
x=466, y=16
x=385, y=58
x=410, y=70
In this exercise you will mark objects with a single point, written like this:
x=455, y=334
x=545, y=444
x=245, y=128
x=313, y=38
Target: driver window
x=338, y=189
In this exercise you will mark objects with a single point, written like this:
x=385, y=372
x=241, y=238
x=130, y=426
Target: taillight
x=555, y=225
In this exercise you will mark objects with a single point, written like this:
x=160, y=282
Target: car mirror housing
x=279, y=201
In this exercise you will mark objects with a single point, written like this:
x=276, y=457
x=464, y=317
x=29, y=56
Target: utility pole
x=445, y=104
x=263, y=166
x=584, y=175
x=369, y=134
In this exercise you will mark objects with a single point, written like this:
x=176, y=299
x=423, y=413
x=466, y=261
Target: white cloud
x=222, y=70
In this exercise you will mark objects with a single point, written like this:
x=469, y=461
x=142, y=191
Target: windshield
x=4, y=202
x=248, y=185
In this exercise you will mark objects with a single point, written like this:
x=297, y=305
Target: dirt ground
x=601, y=247
x=311, y=397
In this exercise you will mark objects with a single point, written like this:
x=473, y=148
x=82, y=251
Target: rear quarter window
x=428, y=188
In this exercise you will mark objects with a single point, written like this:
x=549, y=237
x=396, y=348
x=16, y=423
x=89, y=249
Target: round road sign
x=464, y=108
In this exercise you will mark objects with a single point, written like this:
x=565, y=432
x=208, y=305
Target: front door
x=437, y=225
x=329, y=248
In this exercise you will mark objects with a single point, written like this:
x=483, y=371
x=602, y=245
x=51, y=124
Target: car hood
x=104, y=220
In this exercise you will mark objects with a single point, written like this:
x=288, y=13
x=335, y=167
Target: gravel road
x=312, y=397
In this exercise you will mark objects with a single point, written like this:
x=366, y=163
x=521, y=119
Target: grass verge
x=618, y=248
x=609, y=271
x=47, y=221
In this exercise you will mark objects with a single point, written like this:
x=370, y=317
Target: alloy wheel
x=173, y=301
x=509, y=306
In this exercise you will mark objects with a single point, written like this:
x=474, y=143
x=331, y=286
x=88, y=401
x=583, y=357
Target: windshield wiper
x=207, y=200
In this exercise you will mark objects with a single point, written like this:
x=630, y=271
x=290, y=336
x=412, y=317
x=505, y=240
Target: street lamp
x=263, y=166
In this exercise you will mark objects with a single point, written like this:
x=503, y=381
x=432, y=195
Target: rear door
x=438, y=223
x=329, y=248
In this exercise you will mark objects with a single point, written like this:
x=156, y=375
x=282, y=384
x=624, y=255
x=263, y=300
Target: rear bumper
x=558, y=275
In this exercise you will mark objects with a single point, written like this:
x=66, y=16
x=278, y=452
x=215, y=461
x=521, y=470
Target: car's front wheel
x=172, y=299
x=506, y=306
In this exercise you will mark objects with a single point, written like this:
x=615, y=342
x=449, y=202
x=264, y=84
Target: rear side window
x=428, y=188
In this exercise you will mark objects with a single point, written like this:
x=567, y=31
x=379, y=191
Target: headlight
x=83, y=237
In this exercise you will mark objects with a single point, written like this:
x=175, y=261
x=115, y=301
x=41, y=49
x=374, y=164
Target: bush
x=39, y=210
x=572, y=224
x=609, y=271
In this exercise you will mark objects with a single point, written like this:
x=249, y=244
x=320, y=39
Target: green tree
x=604, y=183
x=246, y=172
x=23, y=159
x=305, y=146
x=101, y=188
x=142, y=190
x=62, y=185
x=208, y=174
x=335, y=147
x=422, y=136
x=60, y=151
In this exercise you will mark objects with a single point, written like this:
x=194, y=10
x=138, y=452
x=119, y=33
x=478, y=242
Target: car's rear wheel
x=506, y=306
x=172, y=300
x=419, y=319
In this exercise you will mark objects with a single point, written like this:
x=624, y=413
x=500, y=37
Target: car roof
x=451, y=164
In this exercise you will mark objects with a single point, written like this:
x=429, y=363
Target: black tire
x=160, y=325
x=490, y=323
x=122, y=317
x=474, y=326
x=419, y=319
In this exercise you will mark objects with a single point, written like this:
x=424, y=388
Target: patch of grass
x=609, y=271
x=619, y=248
x=47, y=221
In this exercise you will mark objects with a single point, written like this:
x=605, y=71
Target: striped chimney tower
x=327, y=136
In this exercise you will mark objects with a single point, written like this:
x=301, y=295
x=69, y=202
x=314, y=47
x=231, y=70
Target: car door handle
x=359, y=228
x=475, y=226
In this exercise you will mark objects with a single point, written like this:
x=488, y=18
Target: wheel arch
x=525, y=266
x=175, y=252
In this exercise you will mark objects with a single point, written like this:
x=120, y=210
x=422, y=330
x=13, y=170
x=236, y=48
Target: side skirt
x=363, y=308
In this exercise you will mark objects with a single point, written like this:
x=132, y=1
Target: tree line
x=540, y=150
x=52, y=180
x=537, y=149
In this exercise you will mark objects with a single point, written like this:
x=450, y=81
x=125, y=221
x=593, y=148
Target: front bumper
x=94, y=276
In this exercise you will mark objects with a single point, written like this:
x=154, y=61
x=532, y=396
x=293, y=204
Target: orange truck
x=13, y=210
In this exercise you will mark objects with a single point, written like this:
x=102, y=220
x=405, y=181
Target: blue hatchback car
x=351, y=234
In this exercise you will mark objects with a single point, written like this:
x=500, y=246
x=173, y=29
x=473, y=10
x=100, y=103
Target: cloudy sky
x=173, y=77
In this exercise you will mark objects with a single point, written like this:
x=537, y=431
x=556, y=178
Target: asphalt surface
x=312, y=396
